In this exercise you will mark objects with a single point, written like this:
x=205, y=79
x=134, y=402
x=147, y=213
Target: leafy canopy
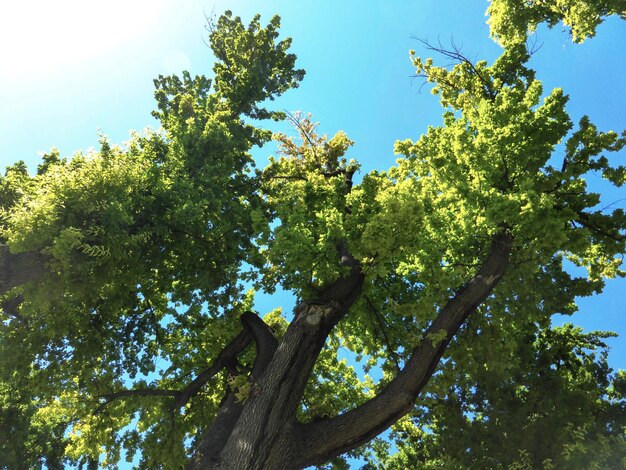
x=512, y=20
x=152, y=247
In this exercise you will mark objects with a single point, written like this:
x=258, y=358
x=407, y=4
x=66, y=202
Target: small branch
x=455, y=54
x=586, y=221
x=253, y=328
x=10, y=307
x=155, y=324
x=608, y=206
x=345, y=290
x=380, y=321
x=225, y=359
x=285, y=177
x=110, y=397
x=139, y=393
x=296, y=122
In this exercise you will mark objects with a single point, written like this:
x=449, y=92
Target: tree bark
x=263, y=433
x=328, y=438
x=260, y=431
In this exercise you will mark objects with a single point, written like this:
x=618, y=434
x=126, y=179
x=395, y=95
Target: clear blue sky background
x=70, y=68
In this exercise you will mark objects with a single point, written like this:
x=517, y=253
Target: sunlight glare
x=40, y=35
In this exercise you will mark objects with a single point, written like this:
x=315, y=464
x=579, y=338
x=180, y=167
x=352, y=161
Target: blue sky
x=69, y=69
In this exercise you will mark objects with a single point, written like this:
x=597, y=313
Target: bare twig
x=456, y=55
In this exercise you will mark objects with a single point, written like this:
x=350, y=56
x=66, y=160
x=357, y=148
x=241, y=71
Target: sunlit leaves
x=499, y=414
x=147, y=245
x=249, y=56
x=512, y=20
x=306, y=190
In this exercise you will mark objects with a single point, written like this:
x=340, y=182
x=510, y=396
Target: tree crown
x=129, y=334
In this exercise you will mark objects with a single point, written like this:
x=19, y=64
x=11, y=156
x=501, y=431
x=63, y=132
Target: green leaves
x=488, y=165
x=495, y=397
x=147, y=245
x=251, y=66
x=306, y=191
x=512, y=20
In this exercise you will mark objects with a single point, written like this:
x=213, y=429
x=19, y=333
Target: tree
x=128, y=275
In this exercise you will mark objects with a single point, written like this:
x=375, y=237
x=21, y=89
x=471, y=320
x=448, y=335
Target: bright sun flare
x=40, y=35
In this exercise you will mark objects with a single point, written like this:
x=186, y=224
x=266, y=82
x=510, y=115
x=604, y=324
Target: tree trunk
x=262, y=433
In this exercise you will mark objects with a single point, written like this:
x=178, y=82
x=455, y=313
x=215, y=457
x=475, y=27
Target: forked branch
x=264, y=339
x=254, y=329
x=331, y=437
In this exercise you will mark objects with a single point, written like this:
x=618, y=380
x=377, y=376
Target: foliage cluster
x=149, y=244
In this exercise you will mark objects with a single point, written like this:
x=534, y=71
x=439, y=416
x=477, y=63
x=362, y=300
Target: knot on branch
x=313, y=312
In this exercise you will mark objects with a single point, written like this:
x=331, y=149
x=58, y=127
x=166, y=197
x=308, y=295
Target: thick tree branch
x=225, y=360
x=207, y=452
x=330, y=437
x=20, y=268
x=254, y=328
x=344, y=291
x=209, y=447
x=266, y=343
